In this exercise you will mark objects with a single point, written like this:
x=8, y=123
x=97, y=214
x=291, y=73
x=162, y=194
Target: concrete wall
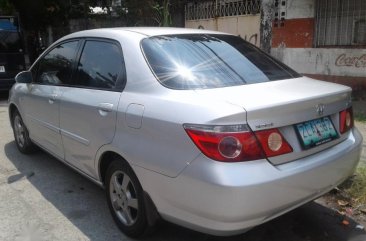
x=343, y=66
x=293, y=41
x=319, y=61
x=296, y=9
x=297, y=28
x=246, y=27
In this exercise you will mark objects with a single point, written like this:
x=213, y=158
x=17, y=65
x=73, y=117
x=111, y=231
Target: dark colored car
x=11, y=52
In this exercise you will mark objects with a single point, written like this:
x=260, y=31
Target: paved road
x=42, y=199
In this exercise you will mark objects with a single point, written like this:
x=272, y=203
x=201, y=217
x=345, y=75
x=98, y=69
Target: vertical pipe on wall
x=325, y=22
x=217, y=15
x=341, y=24
x=317, y=24
x=336, y=25
x=347, y=17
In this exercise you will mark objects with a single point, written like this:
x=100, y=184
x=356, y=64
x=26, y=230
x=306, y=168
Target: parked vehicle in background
x=197, y=127
x=11, y=51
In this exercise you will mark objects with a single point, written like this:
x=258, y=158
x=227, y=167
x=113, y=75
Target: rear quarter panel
x=159, y=142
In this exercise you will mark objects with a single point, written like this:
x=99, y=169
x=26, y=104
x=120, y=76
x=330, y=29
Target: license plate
x=316, y=132
x=2, y=69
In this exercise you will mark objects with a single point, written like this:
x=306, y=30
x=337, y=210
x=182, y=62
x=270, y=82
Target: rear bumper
x=226, y=199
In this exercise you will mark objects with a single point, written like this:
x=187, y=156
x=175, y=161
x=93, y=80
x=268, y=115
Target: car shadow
x=4, y=98
x=84, y=205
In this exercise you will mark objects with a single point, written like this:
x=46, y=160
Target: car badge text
x=266, y=125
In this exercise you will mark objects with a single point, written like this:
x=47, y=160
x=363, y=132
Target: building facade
x=237, y=17
x=323, y=39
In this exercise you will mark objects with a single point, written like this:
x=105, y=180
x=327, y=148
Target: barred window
x=221, y=8
x=340, y=22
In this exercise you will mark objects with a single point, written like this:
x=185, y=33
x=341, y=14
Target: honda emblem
x=320, y=109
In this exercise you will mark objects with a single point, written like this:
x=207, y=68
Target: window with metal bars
x=195, y=10
x=340, y=23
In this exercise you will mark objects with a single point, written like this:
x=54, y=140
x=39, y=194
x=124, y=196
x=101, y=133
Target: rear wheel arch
x=106, y=159
x=12, y=110
x=20, y=131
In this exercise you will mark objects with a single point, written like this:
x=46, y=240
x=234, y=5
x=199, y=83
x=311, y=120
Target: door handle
x=104, y=108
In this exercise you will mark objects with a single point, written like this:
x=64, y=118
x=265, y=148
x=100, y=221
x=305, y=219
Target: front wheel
x=21, y=135
x=125, y=199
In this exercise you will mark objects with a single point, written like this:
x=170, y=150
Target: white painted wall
x=337, y=62
x=209, y=24
x=300, y=9
x=245, y=26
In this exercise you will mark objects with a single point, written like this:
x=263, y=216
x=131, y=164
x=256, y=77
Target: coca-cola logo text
x=351, y=61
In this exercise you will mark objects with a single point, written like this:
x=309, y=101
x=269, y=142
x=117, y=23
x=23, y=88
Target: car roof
x=144, y=31
x=154, y=31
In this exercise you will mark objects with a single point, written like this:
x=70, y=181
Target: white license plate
x=2, y=69
x=316, y=132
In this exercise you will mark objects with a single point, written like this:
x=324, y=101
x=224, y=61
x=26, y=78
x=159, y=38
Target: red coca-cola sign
x=351, y=61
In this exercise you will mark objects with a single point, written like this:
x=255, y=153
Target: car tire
x=125, y=199
x=21, y=135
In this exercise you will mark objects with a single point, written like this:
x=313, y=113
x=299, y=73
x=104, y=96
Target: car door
x=42, y=101
x=88, y=110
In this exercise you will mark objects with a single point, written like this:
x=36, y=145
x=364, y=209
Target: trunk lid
x=281, y=104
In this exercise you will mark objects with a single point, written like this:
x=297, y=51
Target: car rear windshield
x=200, y=61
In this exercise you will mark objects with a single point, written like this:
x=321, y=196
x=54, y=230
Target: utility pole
x=267, y=13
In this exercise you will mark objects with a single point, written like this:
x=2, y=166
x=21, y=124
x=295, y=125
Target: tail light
x=273, y=143
x=346, y=120
x=236, y=143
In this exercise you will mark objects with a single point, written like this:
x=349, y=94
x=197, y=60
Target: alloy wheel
x=19, y=131
x=124, y=198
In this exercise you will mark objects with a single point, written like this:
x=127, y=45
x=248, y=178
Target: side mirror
x=24, y=77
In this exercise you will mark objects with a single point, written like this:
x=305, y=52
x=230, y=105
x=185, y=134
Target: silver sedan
x=196, y=127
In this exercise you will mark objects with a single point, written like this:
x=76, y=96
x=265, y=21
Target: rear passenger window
x=100, y=65
x=55, y=68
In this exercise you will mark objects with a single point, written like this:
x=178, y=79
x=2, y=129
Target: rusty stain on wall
x=296, y=33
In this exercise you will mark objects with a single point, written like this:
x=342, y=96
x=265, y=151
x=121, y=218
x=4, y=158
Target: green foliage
x=162, y=13
x=6, y=8
x=151, y=12
x=357, y=189
x=360, y=116
x=138, y=13
x=38, y=14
